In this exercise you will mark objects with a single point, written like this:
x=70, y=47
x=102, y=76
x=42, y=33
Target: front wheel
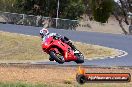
x=57, y=57
x=80, y=58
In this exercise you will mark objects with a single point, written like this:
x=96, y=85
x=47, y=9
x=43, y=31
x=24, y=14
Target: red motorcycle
x=60, y=51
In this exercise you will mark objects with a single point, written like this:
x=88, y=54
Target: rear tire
x=57, y=59
x=51, y=59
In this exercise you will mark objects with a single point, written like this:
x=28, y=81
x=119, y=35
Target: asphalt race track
x=121, y=42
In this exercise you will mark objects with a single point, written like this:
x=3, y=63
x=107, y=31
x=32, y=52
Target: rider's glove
x=69, y=41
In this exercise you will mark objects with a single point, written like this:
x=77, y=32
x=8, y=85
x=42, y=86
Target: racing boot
x=76, y=52
x=73, y=47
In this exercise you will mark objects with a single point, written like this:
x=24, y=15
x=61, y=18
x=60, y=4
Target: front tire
x=56, y=58
x=80, y=58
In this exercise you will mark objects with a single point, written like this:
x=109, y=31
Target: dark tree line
x=68, y=9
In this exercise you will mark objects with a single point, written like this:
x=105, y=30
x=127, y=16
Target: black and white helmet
x=43, y=32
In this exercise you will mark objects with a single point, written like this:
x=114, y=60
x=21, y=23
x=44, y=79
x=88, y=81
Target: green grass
x=35, y=85
x=24, y=85
x=20, y=47
x=65, y=85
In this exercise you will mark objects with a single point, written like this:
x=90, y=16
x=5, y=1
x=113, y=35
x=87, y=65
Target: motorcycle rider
x=44, y=32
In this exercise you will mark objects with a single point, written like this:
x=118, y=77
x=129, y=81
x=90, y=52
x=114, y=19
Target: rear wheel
x=51, y=59
x=57, y=57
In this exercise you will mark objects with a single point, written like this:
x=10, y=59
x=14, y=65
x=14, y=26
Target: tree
x=7, y=5
x=101, y=9
x=69, y=9
x=122, y=8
